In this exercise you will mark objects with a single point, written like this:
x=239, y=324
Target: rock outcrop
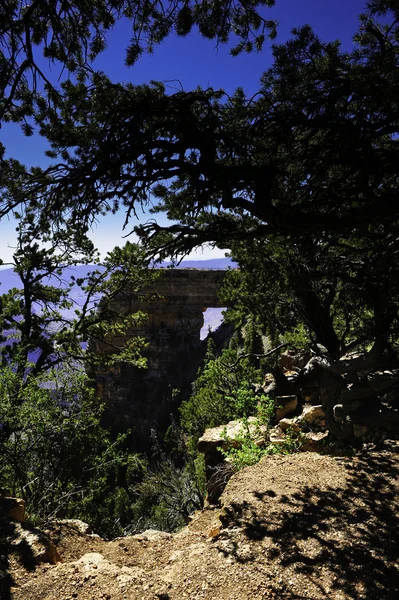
x=358, y=396
x=215, y=440
x=144, y=399
x=300, y=526
x=366, y=409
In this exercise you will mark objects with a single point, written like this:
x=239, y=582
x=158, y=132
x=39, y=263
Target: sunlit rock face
x=144, y=399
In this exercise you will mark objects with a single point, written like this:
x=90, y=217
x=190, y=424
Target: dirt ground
x=298, y=526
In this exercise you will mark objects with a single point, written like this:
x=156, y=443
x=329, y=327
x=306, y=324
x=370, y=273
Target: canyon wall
x=144, y=399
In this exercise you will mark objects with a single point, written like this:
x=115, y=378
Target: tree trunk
x=318, y=317
x=331, y=385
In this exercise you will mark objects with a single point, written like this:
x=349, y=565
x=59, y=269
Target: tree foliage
x=53, y=316
x=55, y=454
x=70, y=35
x=315, y=149
x=222, y=392
x=342, y=291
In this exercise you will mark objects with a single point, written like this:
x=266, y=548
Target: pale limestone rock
x=151, y=534
x=76, y=524
x=277, y=436
x=225, y=436
x=94, y=563
x=310, y=442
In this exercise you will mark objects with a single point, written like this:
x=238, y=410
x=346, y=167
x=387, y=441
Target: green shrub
x=166, y=497
x=249, y=453
x=55, y=453
x=251, y=444
x=222, y=392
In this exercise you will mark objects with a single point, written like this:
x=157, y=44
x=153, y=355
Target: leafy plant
x=223, y=391
x=55, y=453
x=166, y=497
x=251, y=444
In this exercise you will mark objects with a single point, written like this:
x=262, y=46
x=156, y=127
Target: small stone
x=277, y=436
x=214, y=532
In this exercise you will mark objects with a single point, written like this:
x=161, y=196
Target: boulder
x=290, y=424
x=13, y=508
x=309, y=442
x=227, y=436
x=312, y=415
x=285, y=405
x=76, y=524
x=217, y=469
x=277, y=436
x=313, y=442
x=151, y=534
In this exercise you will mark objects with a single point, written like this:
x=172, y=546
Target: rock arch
x=143, y=399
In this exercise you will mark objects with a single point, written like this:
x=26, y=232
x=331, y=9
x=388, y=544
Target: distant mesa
x=9, y=279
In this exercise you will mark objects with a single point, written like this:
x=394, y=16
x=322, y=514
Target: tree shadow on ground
x=12, y=544
x=348, y=536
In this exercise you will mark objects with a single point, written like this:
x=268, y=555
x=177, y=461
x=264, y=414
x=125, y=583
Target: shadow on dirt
x=350, y=533
x=10, y=543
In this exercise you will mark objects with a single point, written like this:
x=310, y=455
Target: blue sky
x=192, y=61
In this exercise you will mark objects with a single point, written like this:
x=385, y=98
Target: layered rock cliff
x=143, y=399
